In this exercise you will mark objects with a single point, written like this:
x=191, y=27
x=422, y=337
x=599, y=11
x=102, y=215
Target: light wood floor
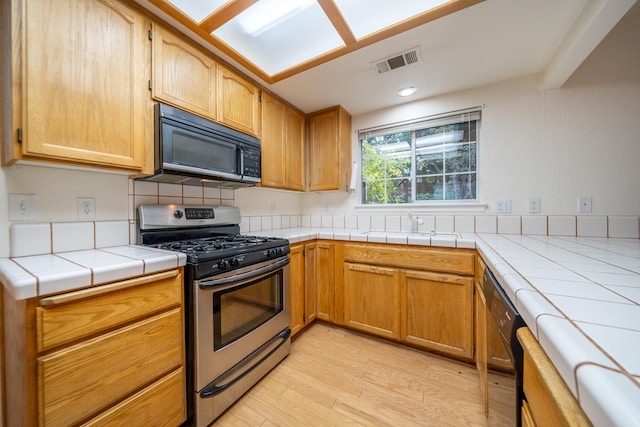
x=335, y=377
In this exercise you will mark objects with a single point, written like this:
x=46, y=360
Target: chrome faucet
x=414, y=222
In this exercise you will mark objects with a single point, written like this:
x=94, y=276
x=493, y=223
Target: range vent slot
x=398, y=60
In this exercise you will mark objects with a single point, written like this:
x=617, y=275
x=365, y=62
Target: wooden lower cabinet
x=549, y=401
x=372, y=299
x=386, y=294
x=437, y=312
x=480, y=331
x=302, y=285
x=103, y=355
x=325, y=280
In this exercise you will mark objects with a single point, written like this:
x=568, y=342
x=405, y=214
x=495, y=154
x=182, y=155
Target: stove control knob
x=234, y=262
x=223, y=265
x=178, y=214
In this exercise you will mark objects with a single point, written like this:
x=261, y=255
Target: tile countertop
x=30, y=276
x=579, y=295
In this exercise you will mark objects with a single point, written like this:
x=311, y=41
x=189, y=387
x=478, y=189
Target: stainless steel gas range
x=236, y=301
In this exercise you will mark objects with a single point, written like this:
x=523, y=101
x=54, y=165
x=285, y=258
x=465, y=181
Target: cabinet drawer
x=75, y=315
x=81, y=380
x=459, y=261
x=160, y=404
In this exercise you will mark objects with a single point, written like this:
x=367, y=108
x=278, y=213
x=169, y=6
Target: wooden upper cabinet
x=282, y=145
x=238, y=102
x=273, y=142
x=182, y=75
x=329, y=161
x=79, y=83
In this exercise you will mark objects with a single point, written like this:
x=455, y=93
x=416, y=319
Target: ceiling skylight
x=276, y=39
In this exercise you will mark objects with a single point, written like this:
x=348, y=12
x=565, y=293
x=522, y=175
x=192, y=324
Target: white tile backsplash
x=378, y=222
x=30, y=239
x=592, y=226
x=111, y=233
x=170, y=190
x=624, y=226
x=486, y=224
x=562, y=225
x=444, y=223
x=392, y=223
x=509, y=225
x=465, y=224
x=72, y=236
x=534, y=225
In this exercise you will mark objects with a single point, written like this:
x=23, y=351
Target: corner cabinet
x=77, y=91
x=329, y=149
x=238, y=102
x=282, y=145
x=108, y=355
x=182, y=75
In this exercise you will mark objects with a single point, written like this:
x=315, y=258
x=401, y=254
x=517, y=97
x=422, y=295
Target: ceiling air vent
x=398, y=60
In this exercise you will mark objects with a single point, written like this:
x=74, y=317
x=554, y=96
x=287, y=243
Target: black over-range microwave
x=192, y=150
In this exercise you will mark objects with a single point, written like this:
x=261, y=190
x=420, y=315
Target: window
x=424, y=161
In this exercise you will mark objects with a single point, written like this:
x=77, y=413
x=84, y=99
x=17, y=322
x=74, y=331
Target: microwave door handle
x=241, y=154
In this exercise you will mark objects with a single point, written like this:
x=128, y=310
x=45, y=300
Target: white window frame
x=417, y=124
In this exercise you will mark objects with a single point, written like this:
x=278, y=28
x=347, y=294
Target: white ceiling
x=488, y=42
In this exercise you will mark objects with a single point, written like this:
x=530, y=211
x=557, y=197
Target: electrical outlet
x=584, y=204
x=273, y=207
x=502, y=206
x=22, y=207
x=86, y=207
x=534, y=204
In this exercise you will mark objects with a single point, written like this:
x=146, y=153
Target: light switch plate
x=23, y=207
x=502, y=206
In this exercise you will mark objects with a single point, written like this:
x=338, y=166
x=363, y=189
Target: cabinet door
x=238, y=102
x=84, y=86
x=325, y=280
x=183, y=76
x=323, y=151
x=297, y=285
x=274, y=164
x=480, y=329
x=372, y=299
x=294, y=150
x=329, y=161
x=310, y=280
x=439, y=312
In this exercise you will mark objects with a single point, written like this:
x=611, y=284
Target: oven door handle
x=246, y=366
x=206, y=284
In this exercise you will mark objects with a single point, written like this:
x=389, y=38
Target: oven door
x=236, y=314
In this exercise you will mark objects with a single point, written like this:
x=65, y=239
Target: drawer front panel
x=66, y=322
x=83, y=379
x=459, y=261
x=160, y=404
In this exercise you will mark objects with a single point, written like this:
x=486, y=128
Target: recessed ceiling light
x=407, y=91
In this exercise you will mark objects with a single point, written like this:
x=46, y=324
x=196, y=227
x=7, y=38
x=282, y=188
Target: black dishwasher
x=505, y=406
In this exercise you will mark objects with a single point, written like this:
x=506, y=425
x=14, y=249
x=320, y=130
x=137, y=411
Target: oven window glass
x=238, y=311
x=192, y=149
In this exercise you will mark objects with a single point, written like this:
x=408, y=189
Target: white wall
x=580, y=140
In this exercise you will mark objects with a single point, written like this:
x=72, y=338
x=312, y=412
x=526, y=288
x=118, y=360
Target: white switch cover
x=585, y=204
x=23, y=207
x=502, y=206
